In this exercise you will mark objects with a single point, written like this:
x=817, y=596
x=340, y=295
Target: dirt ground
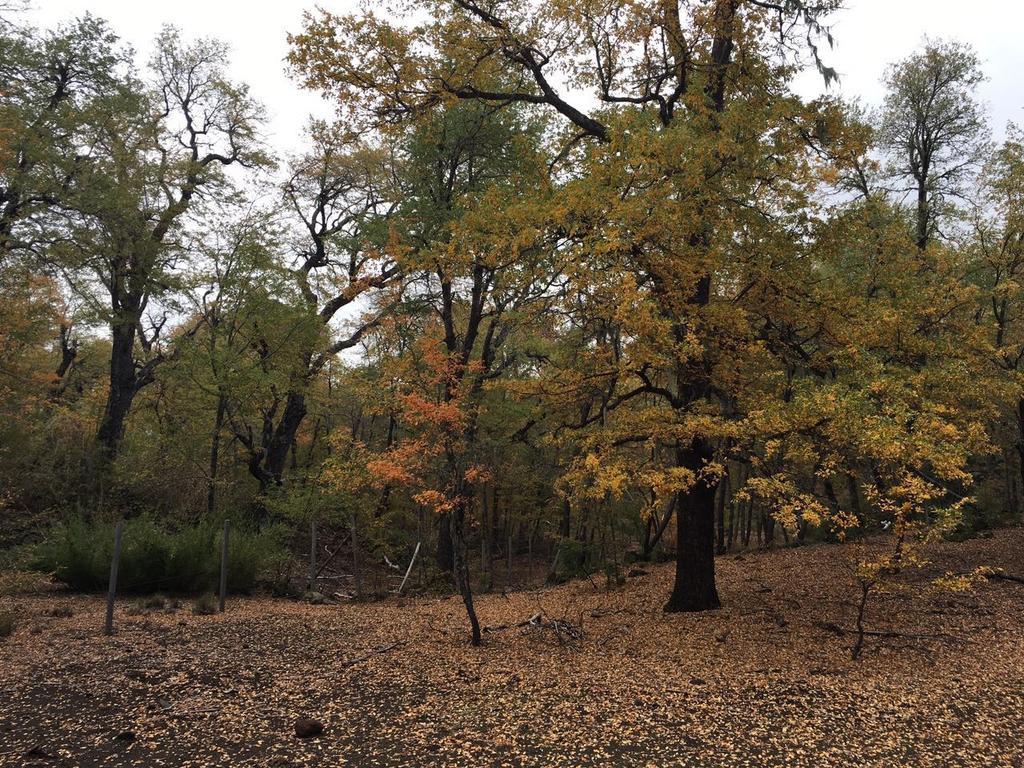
x=765, y=681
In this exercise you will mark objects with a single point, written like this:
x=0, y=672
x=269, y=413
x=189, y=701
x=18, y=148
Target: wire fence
x=112, y=587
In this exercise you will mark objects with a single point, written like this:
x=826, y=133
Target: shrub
x=154, y=558
x=252, y=554
x=205, y=605
x=195, y=560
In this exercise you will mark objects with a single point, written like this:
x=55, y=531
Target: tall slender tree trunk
x=1020, y=439
x=218, y=424
x=445, y=547
x=459, y=550
x=923, y=212
x=721, y=502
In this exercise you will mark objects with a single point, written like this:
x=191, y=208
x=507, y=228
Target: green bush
x=155, y=559
x=195, y=560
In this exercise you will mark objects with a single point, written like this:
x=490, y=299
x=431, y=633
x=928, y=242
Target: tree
x=53, y=83
x=247, y=319
x=671, y=79
x=477, y=269
x=997, y=267
x=342, y=194
x=933, y=128
x=154, y=154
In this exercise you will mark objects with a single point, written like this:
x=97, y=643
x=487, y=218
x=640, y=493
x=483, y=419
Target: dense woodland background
x=561, y=288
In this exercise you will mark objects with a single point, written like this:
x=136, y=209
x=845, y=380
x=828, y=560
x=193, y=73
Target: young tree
x=477, y=270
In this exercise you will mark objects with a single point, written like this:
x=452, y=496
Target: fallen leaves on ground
x=765, y=681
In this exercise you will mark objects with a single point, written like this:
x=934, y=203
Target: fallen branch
x=614, y=634
x=409, y=569
x=562, y=628
x=375, y=652
x=1000, y=576
x=837, y=630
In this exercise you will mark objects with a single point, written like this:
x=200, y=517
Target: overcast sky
x=869, y=34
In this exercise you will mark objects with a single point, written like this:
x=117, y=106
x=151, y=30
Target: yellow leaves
x=601, y=479
x=788, y=504
x=673, y=480
x=962, y=582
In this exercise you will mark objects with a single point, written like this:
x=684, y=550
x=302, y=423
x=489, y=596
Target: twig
x=376, y=651
x=598, y=613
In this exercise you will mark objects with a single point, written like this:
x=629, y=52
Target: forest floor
x=765, y=681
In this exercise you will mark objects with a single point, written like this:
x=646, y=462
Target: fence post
x=108, y=628
x=224, y=564
x=312, y=555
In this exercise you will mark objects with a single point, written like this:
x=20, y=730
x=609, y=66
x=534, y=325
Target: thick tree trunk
x=283, y=438
x=121, y=390
x=694, y=588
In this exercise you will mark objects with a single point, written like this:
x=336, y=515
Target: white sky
x=869, y=34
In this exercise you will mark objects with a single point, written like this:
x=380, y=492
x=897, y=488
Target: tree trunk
x=459, y=550
x=445, y=549
x=276, y=455
x=923, y=212
x=748, y=521
x=655, y=529
x=694, y=588
x=768, y=524
x=218, y=423
x=1020, y=439
x=357, y=575
x=722, y=500
x=122, y=388
x=566, y=521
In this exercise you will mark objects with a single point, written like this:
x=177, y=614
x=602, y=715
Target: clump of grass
x=7, y=623
x=154, y=602
x=205, y=605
